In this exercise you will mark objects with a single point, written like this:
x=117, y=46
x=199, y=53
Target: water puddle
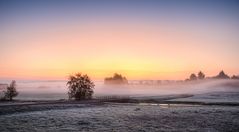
x=169, y=105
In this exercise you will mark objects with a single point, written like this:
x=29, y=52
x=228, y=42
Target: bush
x=80, y=87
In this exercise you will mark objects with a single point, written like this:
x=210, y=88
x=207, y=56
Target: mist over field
x=221, y=115
x=51, y=90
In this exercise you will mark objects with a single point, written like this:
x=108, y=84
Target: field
x=109, y=116
x=215, y=110
x=125, y=117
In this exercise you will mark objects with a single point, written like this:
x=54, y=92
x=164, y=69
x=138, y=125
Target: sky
x=143, y=39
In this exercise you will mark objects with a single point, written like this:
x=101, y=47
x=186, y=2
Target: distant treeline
x=201, y=75
x=116, y=79
x=119, y=79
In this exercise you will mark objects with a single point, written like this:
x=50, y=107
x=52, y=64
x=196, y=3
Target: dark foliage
x=193, y=77
x=235, y=77
x=116, y=79
x=201, y=75
x=222, y=75
x=11, y=91
x=80, y=87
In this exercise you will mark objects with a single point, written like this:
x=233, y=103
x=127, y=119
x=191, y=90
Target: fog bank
x=58, y=90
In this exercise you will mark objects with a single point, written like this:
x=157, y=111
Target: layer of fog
x=194, y=87
x=58, y=89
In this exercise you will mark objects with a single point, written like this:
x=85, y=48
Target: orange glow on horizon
x=138, y=51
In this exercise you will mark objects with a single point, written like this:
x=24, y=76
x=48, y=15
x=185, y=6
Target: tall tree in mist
x=222, y=75
x=80, y=87
x=201, y=75
x=11, y=91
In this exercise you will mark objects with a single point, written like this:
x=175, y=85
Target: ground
x=213, y=112
x=124, y=117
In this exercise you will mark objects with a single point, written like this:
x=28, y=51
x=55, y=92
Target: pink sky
x=171, y=48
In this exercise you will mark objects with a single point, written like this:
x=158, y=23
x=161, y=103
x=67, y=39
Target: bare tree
x=80, y=87
x=11, y=91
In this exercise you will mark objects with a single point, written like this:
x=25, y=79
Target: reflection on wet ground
x=170, y=105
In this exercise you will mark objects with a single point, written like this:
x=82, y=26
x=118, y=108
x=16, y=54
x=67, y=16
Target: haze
x=53, y=90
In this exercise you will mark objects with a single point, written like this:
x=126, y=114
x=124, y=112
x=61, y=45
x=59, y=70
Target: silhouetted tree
x=235, y=77
x=222, y=75
x=116, y=79
x=11, y=91
x=201, y=75
x=80, y=87
x=193, y=77
x=117, y=76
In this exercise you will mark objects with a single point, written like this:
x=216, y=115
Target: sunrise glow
x=142, y=42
